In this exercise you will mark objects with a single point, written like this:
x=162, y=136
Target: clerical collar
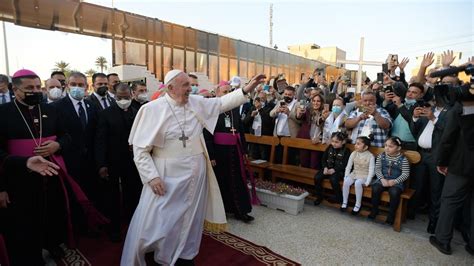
x=24, y=105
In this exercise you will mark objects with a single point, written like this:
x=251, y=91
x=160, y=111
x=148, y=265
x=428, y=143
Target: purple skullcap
x=24, y=73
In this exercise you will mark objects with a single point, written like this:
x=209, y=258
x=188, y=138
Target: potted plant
x=281, y=196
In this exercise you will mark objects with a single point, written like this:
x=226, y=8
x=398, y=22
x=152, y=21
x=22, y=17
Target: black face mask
x=102, y=90
x=288, y=99
x=33, y=98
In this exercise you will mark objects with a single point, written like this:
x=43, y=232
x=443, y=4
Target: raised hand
x=404, y=63
x=447, y=58
x=470, y=60
x=254, y=82
x=427, y=60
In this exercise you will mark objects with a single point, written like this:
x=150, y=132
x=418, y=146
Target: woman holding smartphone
x=312, y=122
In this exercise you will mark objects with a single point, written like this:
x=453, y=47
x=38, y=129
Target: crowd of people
x=78, y=162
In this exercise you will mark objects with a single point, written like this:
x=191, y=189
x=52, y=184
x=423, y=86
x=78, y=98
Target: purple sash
x=230, y=139
x=25, y=148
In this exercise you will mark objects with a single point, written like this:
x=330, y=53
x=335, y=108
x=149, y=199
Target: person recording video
x=456, y=162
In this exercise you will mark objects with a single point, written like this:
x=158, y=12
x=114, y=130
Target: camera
x=451, y=92
x=387, y=89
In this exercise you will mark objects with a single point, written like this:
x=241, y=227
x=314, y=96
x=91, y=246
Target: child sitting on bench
x=392, y=169
x=361, y=175
x=333, y=163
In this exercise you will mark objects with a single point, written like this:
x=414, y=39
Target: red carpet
x=216, y=249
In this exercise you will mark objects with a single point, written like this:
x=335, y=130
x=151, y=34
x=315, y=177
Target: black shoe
x=317, y=201
x=244, y=218
x=56, y=252
x=443, y=248
x=431, y=228
x=389, y=220
x=183, y=262
x=343, y=209
x=470, y=250
x=372, y=215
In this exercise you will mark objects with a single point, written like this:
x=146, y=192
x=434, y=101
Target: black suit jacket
x=137, y=105
x=79, y=156
x=419, y=126
x=112, y=149
x=456, y=145
x=92, y=98
x=268, y=122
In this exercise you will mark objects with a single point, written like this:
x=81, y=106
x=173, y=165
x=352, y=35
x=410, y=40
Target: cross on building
x=361, y=63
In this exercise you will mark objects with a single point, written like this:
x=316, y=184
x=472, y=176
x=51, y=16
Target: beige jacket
x=293, y=123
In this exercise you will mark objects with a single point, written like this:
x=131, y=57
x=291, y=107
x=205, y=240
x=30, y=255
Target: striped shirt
x=392, y=160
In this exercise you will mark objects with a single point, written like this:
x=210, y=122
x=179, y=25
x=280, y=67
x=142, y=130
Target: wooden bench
x=271, y=141
x=306, y=175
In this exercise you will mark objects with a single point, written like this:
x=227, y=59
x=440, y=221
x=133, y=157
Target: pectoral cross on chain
x=233, y=130
x=183, y=138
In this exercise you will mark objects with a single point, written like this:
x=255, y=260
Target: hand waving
x=447, y=58
x=254, y=82
x=404, y=63
x=427, y=60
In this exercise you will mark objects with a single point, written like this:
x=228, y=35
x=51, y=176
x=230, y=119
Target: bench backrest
x=412, y=156
x=265, y=140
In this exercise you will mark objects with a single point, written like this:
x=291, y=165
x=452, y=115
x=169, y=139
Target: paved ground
x=322, y=235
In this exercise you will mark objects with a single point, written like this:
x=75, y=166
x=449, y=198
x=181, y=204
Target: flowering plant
x=279, y=188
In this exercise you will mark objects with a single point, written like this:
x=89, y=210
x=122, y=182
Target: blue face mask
x=336, y=109
x=410, y=101
x=194, y=90
x=77, y=93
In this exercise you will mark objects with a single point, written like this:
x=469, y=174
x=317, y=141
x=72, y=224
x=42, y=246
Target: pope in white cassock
x=180, y=194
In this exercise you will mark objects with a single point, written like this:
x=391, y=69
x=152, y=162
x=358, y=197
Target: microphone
x=448, y=72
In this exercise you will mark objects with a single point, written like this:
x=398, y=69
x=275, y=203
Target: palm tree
x=61, y=66
x=101, y=63
x=90, y=72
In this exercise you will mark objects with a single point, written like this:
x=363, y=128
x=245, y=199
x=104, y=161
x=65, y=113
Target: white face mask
x=124, y=104
x=55, y=93
x=142, y=97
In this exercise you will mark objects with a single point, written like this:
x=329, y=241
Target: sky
x=407, y=28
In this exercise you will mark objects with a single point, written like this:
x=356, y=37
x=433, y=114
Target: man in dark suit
x=101, y=98
x=428, y=126
x=115, y=160
x=6, y=93
x=455, y=160
x=112, y=79
x=79, y=116
x=140, y=94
